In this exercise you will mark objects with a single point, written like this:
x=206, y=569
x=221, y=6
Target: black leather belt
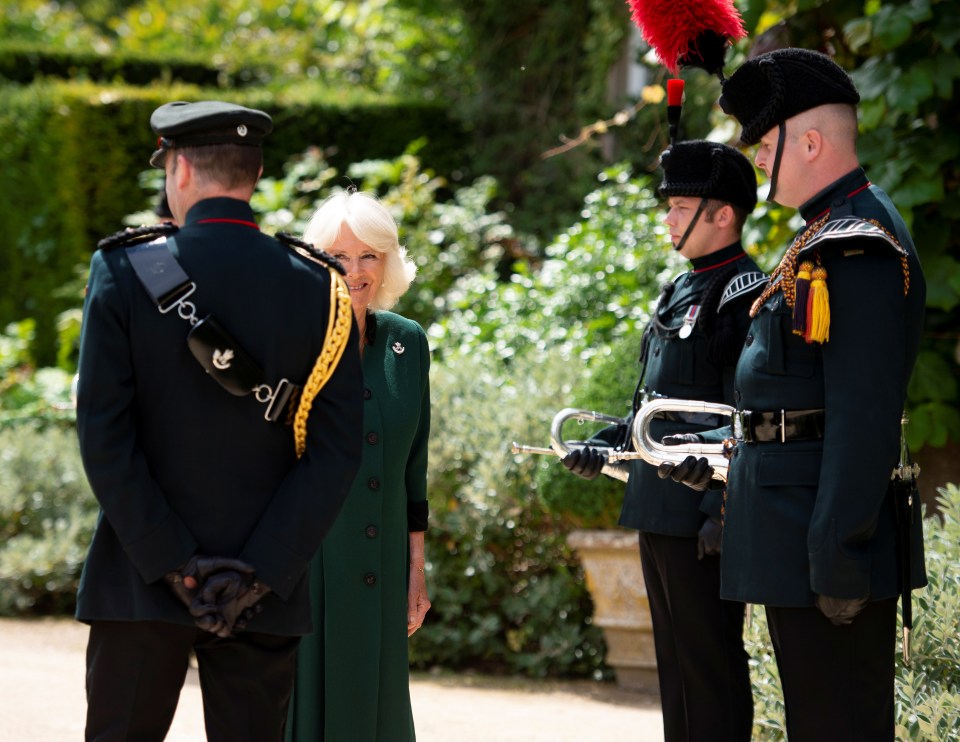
x=780, y=425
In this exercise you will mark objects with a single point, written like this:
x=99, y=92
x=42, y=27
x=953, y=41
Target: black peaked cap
x=708, y=170
x=182, y=124
x=768, y=90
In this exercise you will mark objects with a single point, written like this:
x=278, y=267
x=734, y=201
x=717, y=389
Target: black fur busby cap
x=182, y=124
x=704, y=169
x=775, y=86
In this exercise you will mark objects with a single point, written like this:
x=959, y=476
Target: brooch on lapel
x=398, y=348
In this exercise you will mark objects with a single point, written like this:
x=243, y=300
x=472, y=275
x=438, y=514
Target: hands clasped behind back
x=221, y=593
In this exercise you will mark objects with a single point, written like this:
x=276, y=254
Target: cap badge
x=222, y=358
x=398, y=348
x=242, y=130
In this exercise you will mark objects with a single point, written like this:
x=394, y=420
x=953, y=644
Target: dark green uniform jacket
x=817, y=516
x=177, y=463
x=719, y=289
x=352, y=672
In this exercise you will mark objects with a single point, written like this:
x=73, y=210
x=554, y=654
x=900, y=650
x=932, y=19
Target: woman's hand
x=418, y=603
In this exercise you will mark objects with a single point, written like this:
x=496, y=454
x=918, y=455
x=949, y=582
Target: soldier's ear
x=812, y=143
x=181, y=170
x=725, y=216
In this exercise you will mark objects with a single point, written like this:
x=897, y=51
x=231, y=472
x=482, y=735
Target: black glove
x=189, y=577
x=678, y=439
x=840, y=611
x=585, y=462
x=227, y=600
x=709, y=537
x=693, y=472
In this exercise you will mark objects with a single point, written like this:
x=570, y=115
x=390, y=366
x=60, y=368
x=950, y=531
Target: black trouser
x=702, y=665
x=135, y=670
x=837, y=680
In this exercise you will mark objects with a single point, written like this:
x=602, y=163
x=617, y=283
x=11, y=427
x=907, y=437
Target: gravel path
x=42, y=699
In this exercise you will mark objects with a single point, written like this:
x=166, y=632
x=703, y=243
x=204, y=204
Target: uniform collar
x=231, y=210
x=721, y=257
x=835, y=195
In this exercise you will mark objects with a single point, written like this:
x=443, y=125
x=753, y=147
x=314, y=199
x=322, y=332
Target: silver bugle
x=562, y=447
x=656, y=453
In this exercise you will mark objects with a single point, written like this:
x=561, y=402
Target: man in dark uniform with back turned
x=210, y=512
x=689, y=351
x=811, y=524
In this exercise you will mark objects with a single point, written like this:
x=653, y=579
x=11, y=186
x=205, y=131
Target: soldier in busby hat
x=821, y=523
x=200, y=344
x=688, y=351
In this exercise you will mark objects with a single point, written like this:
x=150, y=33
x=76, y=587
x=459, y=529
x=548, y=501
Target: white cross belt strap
x=214, y=348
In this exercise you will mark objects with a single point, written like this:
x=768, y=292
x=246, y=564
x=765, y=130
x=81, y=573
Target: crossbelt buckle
x=277, y=399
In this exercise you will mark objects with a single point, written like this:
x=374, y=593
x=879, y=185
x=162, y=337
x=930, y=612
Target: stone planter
x=611, y=562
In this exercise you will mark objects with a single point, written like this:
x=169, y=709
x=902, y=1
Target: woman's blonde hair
x=373, y=225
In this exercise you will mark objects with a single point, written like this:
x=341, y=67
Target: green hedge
x=23, y=62
x=71, y=154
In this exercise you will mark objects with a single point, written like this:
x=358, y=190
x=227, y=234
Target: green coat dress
x=352, y=673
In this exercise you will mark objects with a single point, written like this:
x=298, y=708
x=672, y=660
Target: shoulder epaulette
x=136, y=235
x=850, y=228
x=308, y=251
x=741, y=284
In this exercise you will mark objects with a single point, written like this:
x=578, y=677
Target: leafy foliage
x=500, y=572
x=376, y=44
x=47, y=516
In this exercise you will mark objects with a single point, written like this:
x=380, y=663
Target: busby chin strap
x=693, y=223
x=775, y=171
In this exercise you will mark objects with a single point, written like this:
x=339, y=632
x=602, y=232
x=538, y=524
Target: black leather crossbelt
x=779, y=425
x=215, y=349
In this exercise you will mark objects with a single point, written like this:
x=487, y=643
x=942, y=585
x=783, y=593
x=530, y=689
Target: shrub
x=47, y=517
x=36, y=397
x=508, y=593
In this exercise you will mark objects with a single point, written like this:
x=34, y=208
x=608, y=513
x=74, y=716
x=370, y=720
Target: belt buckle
x=740, y=421
x=783, y=426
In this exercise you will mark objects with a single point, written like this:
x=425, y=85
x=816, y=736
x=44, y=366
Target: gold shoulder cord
x=338, y=332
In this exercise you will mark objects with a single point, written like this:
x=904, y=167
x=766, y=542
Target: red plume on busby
x=689, y=33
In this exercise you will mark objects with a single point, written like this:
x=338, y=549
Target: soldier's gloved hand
x=227, y=600
x=678, y=439
x=186, y=579
x=709, y=537
x=694, y=472
x=840, y=611
x=585, y=462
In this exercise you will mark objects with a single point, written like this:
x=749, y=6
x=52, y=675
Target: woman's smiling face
x=364, y=267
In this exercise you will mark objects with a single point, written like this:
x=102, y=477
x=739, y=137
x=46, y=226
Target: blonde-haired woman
x=367, y=582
